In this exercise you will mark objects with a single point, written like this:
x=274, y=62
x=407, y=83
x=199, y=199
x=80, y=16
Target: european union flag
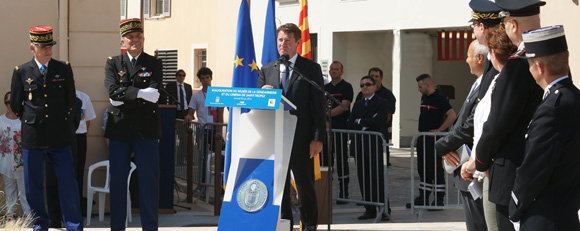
x=270, y=50
x=245, y=70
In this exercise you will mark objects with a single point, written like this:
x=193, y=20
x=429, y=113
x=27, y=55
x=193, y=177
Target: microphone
x=283, y=59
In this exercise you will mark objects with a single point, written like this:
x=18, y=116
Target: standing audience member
x=181, y=91
x=197, y=105
x=342, y=91
x=377, y=74
x=87, y=114
x=547, y=184
x=310, y=128
x=11, y=162
x=43, y=95
x=369, y=114
x=461, y=133
x=436, y=116
x=132, y=80
x=502, y=139
x=485, y=15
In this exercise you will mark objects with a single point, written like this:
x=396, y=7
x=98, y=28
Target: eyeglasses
x=366, y=85
x=181, y=75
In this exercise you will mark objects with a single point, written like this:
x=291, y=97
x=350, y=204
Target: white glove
x=116, y=103
x=150, y=94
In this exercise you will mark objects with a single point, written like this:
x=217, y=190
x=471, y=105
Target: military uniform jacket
x=547, y=186
x=136, y=118
x=501, y=146
x=43, y=104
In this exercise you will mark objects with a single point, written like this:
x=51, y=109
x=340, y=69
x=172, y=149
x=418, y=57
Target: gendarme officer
x=133, y=125
x=43, y=94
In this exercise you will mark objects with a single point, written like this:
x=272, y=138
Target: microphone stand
x=330, y=100
x=171, y=97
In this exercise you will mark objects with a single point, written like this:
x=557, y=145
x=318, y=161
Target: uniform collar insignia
x=57, y=76
x=121, y=73
x=143, y=68
x=29, y=81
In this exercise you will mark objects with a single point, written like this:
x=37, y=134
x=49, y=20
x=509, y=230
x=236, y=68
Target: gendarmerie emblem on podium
x=252, y=195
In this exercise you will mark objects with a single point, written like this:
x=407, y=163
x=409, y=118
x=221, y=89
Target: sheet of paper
x=476, y=189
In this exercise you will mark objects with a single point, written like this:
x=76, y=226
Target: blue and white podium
x=261, y=146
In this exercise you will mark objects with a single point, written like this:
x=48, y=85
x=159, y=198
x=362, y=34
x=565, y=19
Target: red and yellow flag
x=304, y=47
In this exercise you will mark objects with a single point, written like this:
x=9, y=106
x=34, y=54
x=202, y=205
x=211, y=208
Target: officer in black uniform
x=547, y=184
x=132, y=80
x=43, y=94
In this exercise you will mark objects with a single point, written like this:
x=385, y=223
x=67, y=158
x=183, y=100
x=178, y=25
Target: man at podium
x=311, y=125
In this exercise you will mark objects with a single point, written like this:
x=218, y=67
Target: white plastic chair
x=105, y=189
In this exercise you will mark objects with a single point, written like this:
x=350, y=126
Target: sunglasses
x=366, y=84
x=181, y=75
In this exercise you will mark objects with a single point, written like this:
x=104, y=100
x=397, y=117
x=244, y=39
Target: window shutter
x=123, y=9
x=169, y=58
x=166, y=8
x=146, y=8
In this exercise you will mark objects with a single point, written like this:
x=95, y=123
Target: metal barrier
x=370, y=156
x=196, y=144
x=425, y=142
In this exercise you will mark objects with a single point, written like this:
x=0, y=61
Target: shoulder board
x=67, y=63
x=17, y=68
x=111, y=58
x=518, y=54
x=157, y=57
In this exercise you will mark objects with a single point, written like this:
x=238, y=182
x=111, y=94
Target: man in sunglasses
x=369, y=114
x=179, y=94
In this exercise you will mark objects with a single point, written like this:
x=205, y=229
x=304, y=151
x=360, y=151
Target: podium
x=260, y=154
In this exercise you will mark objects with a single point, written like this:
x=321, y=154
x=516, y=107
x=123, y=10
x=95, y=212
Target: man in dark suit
x=181, y=91
x=461, y=133
x=132, y=80
x=369, y=114
x=383, y=92
x=546, y=192
x=311, y=125
x=43, y=95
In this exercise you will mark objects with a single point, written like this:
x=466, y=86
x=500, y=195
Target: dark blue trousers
x=63, y=164
x=147, y=161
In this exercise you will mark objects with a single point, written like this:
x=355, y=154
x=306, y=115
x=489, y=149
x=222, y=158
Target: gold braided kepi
x=41, y=36
x=130, y=25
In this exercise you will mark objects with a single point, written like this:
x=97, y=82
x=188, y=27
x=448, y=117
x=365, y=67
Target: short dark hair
x=556, y=64
x=376, y=69
x=7, y=98
x=204, y=71
x=290, y=28
x=368, y=77
x=423, y=77
x=179, y=71
x=341, y=66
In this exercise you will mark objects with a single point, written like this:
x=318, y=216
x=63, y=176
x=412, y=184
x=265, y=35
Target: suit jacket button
x=153, y=111
x=46, y=105
x=46, y=116
x=25, y=121
x=44, y=85
x=65, y=118
x=45, y=95
x=59, y=86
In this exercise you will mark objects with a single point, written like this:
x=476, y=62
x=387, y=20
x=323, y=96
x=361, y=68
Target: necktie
x=133, y=62
x=472, y=89
x=181, y=97
x=286, y=77
x=366, y=102
x=43, y=70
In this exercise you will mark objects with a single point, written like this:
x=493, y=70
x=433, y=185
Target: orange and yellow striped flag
x=304, y=46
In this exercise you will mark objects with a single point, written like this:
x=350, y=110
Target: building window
x=123, y=9
x=199, y=61
x=452, y=45
x=169, y=58
x=156, y=8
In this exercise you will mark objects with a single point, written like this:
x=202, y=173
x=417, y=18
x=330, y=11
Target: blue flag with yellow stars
x=270, y=50
x=245, y=70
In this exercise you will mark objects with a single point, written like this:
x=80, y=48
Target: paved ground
x=200, y=217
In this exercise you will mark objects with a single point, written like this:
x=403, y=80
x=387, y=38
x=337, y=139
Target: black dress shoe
x=385, y=218
x=366, y=216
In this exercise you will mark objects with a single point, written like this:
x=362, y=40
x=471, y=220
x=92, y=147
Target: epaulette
x=157, y=57
x=111, y=58
x=518, y=54
x=67, y=63
x=17, y=68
